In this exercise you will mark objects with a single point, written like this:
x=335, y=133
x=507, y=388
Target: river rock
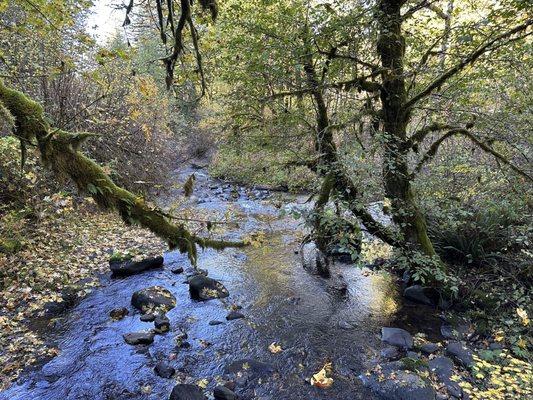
x=429, y=348
x=203, y=288
x=397, y=337
x=147, y=318
x=215, y=322
x=420, y=294
x=164, y=370
x=118, y=313
x=234, y=315
x=187, y=392
x=223, y=393
x=442, y=367
x=461, y=353
x=139, y=338
x=128, y=267
x=162, y=324
x=154, y=298
x=398, y=385
x=390, y=353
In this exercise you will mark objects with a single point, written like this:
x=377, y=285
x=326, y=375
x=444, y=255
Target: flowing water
x=312, y=320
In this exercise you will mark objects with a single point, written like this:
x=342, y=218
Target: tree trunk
x=395, y=116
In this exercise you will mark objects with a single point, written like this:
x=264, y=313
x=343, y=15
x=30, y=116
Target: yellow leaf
x=275, y=348
x=321, y=379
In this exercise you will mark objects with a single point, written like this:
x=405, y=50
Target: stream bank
x=308, y=317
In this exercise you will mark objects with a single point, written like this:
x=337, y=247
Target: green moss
x=414, y=365
x=10, y=245
x=59, y=150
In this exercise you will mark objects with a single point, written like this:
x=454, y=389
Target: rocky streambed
x=259, y=326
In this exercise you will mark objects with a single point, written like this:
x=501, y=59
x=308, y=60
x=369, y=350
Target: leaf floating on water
x=321, y=378
x=202, y=383
x=275, y=348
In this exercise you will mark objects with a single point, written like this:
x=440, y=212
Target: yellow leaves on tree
x=148, y=107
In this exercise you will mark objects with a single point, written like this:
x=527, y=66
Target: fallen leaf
x=321, y=379
x=275, y=348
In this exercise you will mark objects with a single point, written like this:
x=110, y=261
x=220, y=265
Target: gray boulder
x=461, y=353
x=397, y=337
x=442, y=367
x=429, y=348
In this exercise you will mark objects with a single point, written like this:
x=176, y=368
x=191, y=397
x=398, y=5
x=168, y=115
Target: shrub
x=475, y=236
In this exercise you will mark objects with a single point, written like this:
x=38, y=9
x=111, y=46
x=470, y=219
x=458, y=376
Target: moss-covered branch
x=59, y=151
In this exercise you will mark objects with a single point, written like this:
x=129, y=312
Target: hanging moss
x=59, y=151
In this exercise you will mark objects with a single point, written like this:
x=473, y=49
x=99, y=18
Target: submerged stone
x=118, y=313
x=154, y=298
x=223, y=393
x=164, y=370
x=162, y=324
x=251, y=366
x=234, y=315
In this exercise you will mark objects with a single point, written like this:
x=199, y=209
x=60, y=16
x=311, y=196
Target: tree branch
x=464, y=132
x=439, y=81
x=60, y=151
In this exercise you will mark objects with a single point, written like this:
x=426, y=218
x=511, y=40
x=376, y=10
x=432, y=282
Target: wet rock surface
x=155, y=298
x=128, y=267
x=223, y=393
x=139, y=338
x=397, y=337
x=202, y=287
x=118, y=313
x=234, y=315
x=187, y=392
x=164, y=370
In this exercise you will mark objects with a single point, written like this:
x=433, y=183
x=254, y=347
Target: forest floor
x=60, y=258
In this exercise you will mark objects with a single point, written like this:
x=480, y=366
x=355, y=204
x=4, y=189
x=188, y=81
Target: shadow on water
x=312, y=321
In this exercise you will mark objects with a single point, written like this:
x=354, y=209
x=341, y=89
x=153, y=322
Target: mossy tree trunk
x=395, y=117
x=60, y=151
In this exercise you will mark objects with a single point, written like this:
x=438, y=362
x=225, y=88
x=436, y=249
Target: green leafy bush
x=481, y=236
